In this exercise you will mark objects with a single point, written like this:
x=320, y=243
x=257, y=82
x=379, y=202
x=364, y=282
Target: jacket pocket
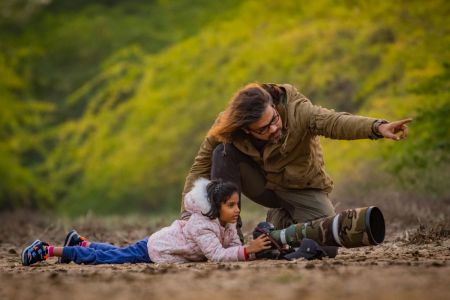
x=296, y=175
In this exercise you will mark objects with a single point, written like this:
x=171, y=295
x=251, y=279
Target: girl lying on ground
x=209, y=234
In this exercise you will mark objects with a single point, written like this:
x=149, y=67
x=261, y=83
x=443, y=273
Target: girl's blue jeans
x=103, y=253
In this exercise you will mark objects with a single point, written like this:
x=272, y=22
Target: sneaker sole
x=25, y=251
x=69, y=237
x=66, y=244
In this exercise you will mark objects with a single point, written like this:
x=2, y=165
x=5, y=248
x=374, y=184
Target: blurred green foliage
x=104, y=105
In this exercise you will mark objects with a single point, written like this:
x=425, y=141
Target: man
x=267, y=143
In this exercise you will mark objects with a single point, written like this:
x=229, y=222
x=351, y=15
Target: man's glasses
x=265, y=129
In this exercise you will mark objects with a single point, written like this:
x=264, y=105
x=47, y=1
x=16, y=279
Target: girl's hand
x=262, y=242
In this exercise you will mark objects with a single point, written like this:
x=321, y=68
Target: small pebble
x=437, y=264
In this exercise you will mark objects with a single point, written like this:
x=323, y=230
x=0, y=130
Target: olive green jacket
x=296, y=160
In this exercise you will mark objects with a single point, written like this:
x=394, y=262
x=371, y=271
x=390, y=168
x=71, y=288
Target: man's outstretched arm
x=341, y=125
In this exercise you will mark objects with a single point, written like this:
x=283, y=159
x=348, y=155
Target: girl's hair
x=218, y=192
x=246, y=107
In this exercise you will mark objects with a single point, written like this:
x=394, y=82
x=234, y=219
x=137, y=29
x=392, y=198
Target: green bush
x=134, y=87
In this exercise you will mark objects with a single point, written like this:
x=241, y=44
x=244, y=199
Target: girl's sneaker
x=72, y=239
x=34, y=253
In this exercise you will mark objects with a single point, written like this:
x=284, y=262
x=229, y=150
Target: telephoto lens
x=350, y=228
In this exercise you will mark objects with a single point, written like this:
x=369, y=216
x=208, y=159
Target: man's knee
x=218, y=151
x=230, y=164
x=226, y=152
x=224, y=165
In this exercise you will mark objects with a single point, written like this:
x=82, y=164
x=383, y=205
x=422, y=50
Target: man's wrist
x=375, y=129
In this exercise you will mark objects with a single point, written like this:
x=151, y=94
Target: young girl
x=209, y=234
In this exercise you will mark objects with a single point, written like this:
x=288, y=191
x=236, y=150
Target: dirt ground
x=410, y=264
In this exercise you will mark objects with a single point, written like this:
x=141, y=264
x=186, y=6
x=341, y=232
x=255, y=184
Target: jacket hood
x=196, y=201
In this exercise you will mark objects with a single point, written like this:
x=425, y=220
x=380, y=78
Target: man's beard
x=275, y=137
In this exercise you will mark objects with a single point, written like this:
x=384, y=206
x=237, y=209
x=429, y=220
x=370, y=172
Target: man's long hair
x=246, y=107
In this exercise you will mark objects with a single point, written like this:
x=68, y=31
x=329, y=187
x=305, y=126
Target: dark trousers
x=286, y=207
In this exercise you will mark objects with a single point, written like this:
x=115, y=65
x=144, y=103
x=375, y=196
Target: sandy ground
x=410, y=265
